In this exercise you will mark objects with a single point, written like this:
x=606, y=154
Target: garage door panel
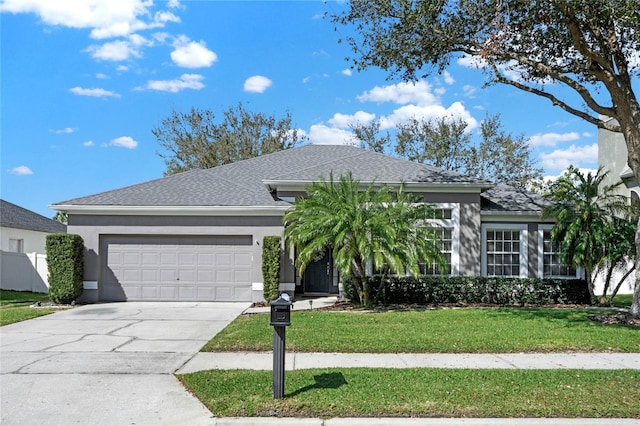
x=148, y=267
x=240, y=276
x=242, y=259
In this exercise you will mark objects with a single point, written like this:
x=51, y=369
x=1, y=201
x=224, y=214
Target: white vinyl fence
x=23, y=272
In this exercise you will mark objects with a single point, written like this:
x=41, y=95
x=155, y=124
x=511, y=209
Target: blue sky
x=83, y=84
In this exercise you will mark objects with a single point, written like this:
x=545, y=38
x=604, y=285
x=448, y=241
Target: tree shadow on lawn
x=323, y=381
x=572, y=317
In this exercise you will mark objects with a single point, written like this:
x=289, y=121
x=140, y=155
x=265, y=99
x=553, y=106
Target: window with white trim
x=504, y=250
x=445, y=223
x=444, y=220
x=445, y=244
x=16, y=245
x=549, y=264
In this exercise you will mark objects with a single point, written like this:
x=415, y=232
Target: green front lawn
x=492, y=330
x=15, y=306
x=421, y=393
x=622, y=300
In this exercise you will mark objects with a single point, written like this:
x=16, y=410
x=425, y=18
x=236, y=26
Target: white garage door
x=178, y=268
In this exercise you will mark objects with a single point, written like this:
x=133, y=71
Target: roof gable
x=13, y=216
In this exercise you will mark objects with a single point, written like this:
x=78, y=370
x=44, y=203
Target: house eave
x=172, y=210
x=298, y=185
x=511, y=216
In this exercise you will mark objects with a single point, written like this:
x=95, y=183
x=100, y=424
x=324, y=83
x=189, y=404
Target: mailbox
x=281, y=312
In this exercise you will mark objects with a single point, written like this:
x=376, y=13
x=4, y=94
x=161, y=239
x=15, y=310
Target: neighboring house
x=198, y=235
x=612, y=156
x=23, y=236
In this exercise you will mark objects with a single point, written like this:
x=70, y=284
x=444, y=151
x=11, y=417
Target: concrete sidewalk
x=298, y=361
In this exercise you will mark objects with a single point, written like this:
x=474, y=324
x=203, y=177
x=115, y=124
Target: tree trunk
x=624, y=277
x=627, y=114
x=589, y=277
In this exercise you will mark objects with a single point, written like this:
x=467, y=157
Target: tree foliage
x=586, y=214
x=589, y=47
x=194, y=140
x=446, y=143
x=61, y=217
x=360, y=225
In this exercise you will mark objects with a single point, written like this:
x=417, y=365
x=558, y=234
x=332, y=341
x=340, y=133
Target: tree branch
x=554, y=100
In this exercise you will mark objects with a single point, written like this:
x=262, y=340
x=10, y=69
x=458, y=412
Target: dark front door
x=318, y=275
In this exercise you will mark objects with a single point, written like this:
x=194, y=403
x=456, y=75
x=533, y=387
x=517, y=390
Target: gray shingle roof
x=506, y=198
x=12, y=216
x=241, y=183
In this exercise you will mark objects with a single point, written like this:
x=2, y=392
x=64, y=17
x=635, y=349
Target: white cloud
x=319, y=134
x=344, y=120
x=401, y=93
x=122, y=68
x=584, y=171
x=173, y=4
x=511, y=69
x=97, y=92
x=105, y=18
x=119, y=50
x=428, y=112
x=124, y=142
x=88, y=143
x=469, y=90
x=448, y=78
x=552, y=139
x=577, y=156
x=186, y=81
x=191, y=54
x=102, y=76
x=347, y=72
x=257, y=84
x=20, y=171
x=66, y=130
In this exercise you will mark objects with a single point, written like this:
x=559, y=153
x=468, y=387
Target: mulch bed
x=618, y=319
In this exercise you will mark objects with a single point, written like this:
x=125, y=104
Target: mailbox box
x=280, y=312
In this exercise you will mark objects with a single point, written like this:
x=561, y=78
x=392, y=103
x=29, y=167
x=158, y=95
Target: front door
x=318, y=276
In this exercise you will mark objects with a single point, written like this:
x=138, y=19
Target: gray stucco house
x=198, y=235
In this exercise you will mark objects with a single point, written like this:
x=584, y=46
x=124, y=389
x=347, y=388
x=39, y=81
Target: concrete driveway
x=107, y=364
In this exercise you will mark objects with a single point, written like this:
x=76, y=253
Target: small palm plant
x=361, y=224
x=584, y=209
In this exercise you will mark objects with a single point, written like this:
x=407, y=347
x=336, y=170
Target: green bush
x=65, y=260
x=427, y=290
x=271, y=267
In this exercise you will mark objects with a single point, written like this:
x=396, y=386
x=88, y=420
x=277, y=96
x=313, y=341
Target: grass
x=15, y=306
x=421, y=393
x=622, y=300
x=493, y=330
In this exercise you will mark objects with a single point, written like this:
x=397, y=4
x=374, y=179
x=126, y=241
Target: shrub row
x=430, y=290
x=271, y=267
x=65, y=262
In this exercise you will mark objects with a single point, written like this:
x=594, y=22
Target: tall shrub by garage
x=65, y=261
x=271, y=267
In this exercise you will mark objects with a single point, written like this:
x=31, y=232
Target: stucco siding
x=34, y=241
x=470, y=236
x=93, y=228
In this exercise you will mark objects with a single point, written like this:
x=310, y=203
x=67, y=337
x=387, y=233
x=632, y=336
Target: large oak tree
x=197, y=140
x=589, y=47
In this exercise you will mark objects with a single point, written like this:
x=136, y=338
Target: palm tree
x=583, y=209
x=361, y=225
x=620, y=248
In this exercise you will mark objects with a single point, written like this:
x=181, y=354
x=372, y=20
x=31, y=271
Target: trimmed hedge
x=433, y=290
x=65, y=262
x=271, y=267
